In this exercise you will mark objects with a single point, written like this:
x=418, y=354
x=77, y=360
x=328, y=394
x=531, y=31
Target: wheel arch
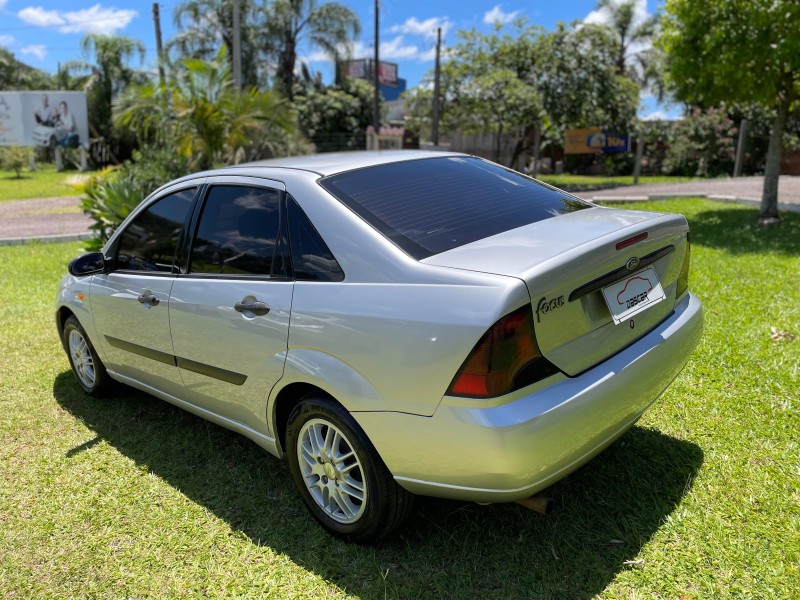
x=285, y=401
x=62, y=314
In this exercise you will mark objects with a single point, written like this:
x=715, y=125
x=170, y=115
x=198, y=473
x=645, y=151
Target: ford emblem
x=632, y=264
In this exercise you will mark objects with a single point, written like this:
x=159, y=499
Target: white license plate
x=633, y=294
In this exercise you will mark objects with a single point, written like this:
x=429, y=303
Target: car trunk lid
x=567, y=260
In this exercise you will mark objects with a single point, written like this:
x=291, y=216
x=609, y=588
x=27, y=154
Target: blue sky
x=44, y=33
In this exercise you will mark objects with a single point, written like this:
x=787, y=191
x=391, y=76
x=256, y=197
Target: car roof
x=338, y=162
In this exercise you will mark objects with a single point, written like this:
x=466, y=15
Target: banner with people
x=47, y=118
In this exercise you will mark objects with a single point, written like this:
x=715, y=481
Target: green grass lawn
x=131, y=497
x=592, y=181
x=45, y=182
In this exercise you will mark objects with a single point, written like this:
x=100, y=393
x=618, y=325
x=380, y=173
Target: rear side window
x=433, y=205
x=311, y=259
x=149, y=242
x=238, y=231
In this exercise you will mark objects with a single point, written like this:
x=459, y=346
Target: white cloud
x=660, y=115
x=37, y=50
x=96, y=19
x=396, y=48
x=6, y=40
x=3, y=3
x=603, y=15
x=427, y=28
x=498, y=15
x=36, y=15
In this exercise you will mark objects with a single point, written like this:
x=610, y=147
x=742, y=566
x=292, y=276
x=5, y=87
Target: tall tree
x=730, y=50
x=198, y=112
x=331, y=27
x=105, y=73
x=634, y=35
x=204, y=24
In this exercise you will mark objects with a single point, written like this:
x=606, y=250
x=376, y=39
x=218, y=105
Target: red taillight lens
x=506, y=358
x=683, y=276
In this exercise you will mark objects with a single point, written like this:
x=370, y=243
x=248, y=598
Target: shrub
x=110, y=196
x=15, y=158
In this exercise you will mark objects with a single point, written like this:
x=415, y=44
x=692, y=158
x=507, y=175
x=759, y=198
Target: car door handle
x=257, y=308
x=148, y=298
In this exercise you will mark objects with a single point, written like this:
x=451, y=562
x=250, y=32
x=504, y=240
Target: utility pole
x=437, y=74
x=237, y=48
x=637, y=163
x=159, y=50
x=376, y=119
x=737, y=167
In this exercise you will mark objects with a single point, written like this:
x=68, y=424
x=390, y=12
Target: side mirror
x=88, y=264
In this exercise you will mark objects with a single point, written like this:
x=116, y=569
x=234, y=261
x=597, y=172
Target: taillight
x=506, y=358
x=683, y=276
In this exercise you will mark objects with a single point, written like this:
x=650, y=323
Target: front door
x=229, y=313
x=130, y=305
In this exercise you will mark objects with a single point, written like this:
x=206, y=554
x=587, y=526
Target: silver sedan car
x=392, y=323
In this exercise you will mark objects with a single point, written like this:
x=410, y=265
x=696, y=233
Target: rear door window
x=433, y=205
x=238, y=231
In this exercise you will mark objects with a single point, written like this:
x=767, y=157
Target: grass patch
x=45, y=182
x=590, y=182
x=131, y=497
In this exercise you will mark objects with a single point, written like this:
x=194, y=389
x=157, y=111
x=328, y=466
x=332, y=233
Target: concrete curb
x=718, y=197
x=46, y=239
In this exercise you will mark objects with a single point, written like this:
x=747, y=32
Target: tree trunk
x=772, y=170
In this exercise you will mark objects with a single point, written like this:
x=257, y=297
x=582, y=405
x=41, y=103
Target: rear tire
x=339, y=475
x=86, y=365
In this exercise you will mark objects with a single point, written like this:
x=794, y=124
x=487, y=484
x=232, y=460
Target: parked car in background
x=391, y=323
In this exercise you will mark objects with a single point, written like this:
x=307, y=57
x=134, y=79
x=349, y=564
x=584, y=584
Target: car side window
x=150, y=241
x=311, y=258
x=238, y=231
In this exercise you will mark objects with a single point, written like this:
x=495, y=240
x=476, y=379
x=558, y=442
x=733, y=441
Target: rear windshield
x=433, y=205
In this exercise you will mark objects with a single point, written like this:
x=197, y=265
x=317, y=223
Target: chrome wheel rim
x=81, y=356
x=331, y=471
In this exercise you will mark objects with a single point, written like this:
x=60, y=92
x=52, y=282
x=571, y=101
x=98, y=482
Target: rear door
x=229, y=308
x=130, y=303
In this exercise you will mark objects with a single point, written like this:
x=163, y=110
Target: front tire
x=83, y=359
x=339, y=475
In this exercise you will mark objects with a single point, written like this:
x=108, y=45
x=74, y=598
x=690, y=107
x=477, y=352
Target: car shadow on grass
x=737, y=231
x=603, y=514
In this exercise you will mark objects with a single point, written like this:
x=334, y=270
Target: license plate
x=633, y=294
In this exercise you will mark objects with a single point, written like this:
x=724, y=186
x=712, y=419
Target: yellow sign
x=595, y=141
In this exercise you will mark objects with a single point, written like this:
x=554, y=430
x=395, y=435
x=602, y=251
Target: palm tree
x=203, y=24
x=199, y=112
x=108, y=75
x=630, y=34
x=330, y=27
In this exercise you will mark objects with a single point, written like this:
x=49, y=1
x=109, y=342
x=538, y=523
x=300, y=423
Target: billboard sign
x=595, y=141
x=48, y=118
x=362, y=69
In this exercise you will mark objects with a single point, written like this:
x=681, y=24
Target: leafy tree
x=729, y=50
x=198, y=111
x=336, y=117
x=576, y=73
x=204, y=24
x=481, y=89
x=14, y=73
x=107, y=76
x=330, y=27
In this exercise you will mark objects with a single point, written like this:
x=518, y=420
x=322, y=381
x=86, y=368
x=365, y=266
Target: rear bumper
x=514, y=449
